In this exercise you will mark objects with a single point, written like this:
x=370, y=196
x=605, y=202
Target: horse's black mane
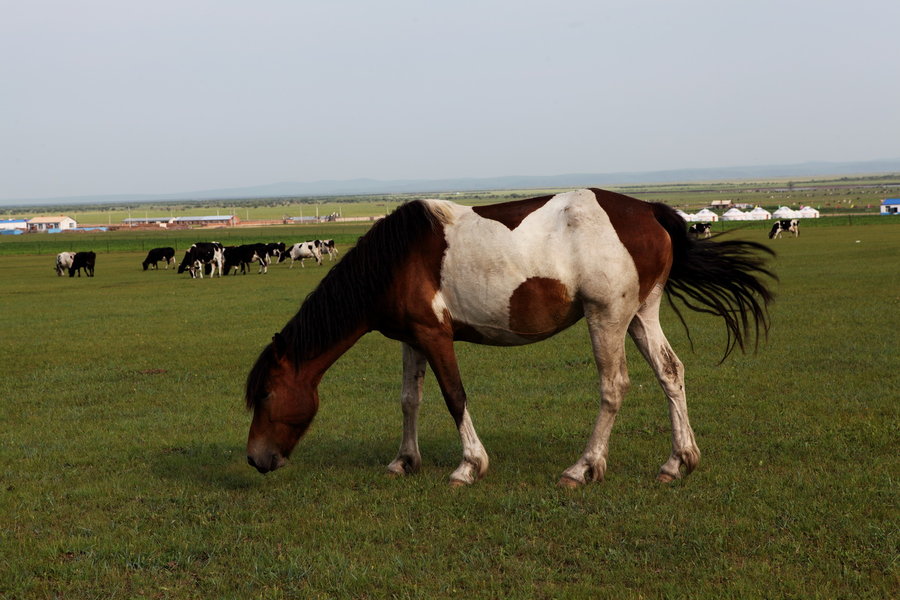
x=344, y=297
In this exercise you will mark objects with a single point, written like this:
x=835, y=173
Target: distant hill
x=373, y=186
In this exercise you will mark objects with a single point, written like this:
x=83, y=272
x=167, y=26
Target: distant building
x=221, y=221
x=13, y=225
x=161, y=221
x=890, y=206
x=51, y=224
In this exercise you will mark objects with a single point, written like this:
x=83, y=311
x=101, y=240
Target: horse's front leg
x=408, y=458
x=438, y=349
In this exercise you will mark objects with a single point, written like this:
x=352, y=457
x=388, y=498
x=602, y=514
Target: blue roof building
x=13, y=224
x=890, y=206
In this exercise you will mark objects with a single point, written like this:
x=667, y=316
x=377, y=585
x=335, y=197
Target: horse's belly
x=533, y=310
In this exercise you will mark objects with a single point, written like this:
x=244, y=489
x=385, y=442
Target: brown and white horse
x=434, y=272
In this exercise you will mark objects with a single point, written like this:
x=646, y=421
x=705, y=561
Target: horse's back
x=519, y=271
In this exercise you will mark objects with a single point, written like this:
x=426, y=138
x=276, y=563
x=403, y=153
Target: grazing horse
x=64, y=262
x=434, y=272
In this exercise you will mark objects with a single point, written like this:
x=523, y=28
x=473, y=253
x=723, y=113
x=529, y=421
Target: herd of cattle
x=210, y=257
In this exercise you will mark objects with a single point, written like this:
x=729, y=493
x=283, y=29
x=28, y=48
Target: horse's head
x=283, y=406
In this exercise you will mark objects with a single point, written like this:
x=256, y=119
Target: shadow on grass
x=213, y=465
x=224, y=466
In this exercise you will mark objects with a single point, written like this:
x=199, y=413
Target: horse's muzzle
x=266, y=464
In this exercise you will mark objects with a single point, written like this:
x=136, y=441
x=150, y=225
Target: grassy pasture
x=123, y=472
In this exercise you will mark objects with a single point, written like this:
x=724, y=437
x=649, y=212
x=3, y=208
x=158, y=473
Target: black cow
x=83, y=260
x=790, y=225
x=201, y=254
x=155, y=255
x=244, y=255
x=700, y=230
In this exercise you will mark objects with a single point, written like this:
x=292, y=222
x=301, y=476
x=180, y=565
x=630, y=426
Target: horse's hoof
x=395, y=470
x=456, y=483
x=568, y=483
x=665, y=478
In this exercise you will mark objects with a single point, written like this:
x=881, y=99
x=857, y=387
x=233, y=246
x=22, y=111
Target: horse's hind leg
x=608, y=342
x=648, y=335
x=408, y=458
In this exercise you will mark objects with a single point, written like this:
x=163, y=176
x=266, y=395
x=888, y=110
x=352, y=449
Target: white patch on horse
x=569, y=239
x=439, y=306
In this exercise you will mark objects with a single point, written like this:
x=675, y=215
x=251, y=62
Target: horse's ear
x=279, y=345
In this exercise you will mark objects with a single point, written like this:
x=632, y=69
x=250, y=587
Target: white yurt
x=683, y=215
x=704, y=216
x=808, y=212
x=734, y=214
x=786, y=213
x=759, y=214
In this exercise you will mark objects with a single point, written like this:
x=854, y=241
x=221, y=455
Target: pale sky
x=122, y=97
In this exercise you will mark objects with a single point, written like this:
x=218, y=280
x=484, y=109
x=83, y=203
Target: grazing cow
x=242, y=256
x=155, y=255
x=83, y=260
x=302, y=250
x=699, y=230
x=789, y=225
x=201, y=254
x=63, y=262
x=327, y=247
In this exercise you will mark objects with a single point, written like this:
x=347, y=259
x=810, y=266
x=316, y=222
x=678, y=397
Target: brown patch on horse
x=415, y=283
x=540, y=307
x=670, y=362
x=513, y=213
x=641, y=234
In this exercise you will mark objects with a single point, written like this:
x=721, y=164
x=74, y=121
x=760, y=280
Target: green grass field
x=124, y=475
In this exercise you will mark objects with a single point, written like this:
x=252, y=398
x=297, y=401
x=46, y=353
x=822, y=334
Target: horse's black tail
x=724, y=278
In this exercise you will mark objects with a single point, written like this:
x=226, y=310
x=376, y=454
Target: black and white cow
x=275, y=250
x=155, y=255
x=83, y=260
x=789, y=225
x=700, y=230
x=242, y=256
x=327, y=247
x=303, y=250
x=63, y=262
x=201, y=254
